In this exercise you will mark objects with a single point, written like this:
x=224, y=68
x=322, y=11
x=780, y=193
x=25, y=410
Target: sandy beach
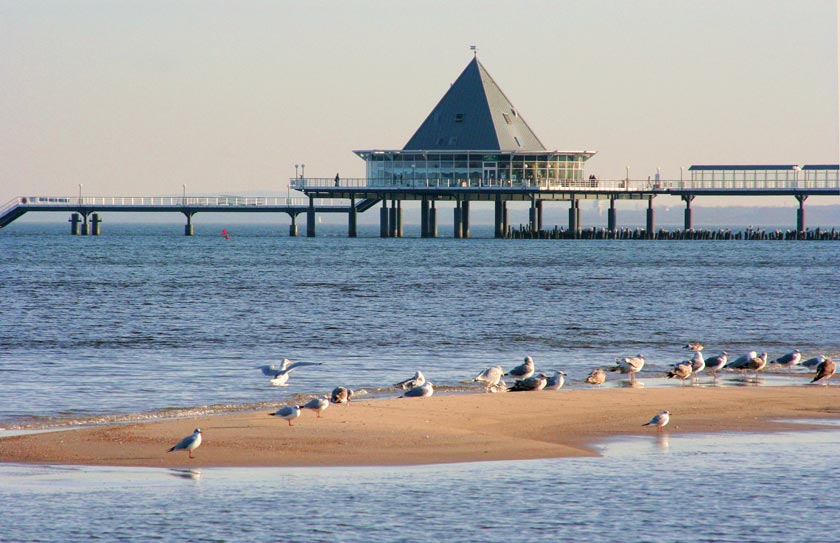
x=440, y=429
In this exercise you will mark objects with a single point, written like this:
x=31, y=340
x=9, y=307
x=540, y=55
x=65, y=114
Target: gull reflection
x=663, y=442
x=193, y=474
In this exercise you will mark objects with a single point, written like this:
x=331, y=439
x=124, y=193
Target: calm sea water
x=142, y=322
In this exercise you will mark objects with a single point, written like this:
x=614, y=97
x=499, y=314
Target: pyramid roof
x=474, y=114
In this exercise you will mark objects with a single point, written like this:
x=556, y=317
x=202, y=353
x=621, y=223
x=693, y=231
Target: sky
x=138, y=98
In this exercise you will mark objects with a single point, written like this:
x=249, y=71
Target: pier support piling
x=384, y=219
x=84, y=231
x=188, y=228
x=433, y=229
x=649, y=233
x=687, y=222
x=465, y=219
x=458, y=231
x=95, y=221
x=351, y=219
x=611, y=222
x=399, y=219
x=574, y=218
x=293, y=228
x=310, y=218
x=75, y=218
x=424, y=218
x=800, y=216
x=499, y=222
x=393, y=221
x=539, y=209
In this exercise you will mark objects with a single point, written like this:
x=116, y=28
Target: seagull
x=695, y=346
x=417, y=380
x=698, y=364
x=756, y=363
x=524, y=370
x=716, y=363
x=596, y=377
x=490, y=377
x=556, y=381
x=189, y=443
x=423, y=391
x=534, y=383
x=289, y=412
x=317, y=405
x=659, y=420
x=341, y=395
x=789, y=360
x=630, y=365
x=280, y=374
x=742, y=360
x=814, y=362
x=681, y=371
x=824, y=371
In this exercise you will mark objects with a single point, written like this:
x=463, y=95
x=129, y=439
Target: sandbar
x=440, y=429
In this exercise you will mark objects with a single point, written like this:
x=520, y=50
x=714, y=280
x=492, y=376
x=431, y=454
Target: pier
x=85, y=211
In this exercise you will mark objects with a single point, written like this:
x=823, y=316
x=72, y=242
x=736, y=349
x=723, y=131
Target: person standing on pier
x=337, y=180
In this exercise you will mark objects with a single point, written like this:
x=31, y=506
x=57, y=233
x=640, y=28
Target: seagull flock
x=527, y=380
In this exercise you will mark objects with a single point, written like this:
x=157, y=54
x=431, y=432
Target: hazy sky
x=137, y=98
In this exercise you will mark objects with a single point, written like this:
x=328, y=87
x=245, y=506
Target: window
x=453, y=140
x=518, y=143
x=507, y=118
x=459, y=117
x=513, y=111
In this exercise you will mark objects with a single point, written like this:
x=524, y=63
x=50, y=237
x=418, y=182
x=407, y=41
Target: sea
x=144, y=323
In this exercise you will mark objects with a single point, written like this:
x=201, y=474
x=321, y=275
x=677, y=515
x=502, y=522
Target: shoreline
x=440, y=429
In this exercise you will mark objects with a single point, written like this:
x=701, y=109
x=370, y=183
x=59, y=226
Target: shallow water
x=144, y=322
x=681, y=488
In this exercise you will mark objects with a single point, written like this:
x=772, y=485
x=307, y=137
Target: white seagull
x=659, y=420
x=524, y=370
x=415, y=381
x=317, y=404
x=423, y=391
x=289, y=412
x=556, y=381
x=742, y=360
x=629, y=365
x=189, y=443
x=716, y=363
x=812, y=363
x=537, y=382
x=280, y=374
x=789, y=360
x=490, y=377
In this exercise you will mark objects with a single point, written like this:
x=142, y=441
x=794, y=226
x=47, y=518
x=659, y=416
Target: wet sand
x=440, y=429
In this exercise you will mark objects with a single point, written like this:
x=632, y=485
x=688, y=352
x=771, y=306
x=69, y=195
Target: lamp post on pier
x=80, y=193
x=184, y=186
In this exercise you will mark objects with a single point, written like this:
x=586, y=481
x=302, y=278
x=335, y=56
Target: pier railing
x=589, y=185
x=606, y=185
x=163, y=202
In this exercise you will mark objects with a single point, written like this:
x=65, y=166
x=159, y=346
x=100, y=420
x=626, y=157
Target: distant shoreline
x=441, y=429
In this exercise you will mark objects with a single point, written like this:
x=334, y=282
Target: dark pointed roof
x=474, y=114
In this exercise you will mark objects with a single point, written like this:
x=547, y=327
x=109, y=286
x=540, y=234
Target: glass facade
x=546, y=169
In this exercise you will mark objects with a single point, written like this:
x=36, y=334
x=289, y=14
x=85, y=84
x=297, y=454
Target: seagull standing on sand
x=490, y=377
x=812, y=363
x=280, y=374
x=596, y=377
x=824, y=371
x=189, y=443
x=556, y=381
x=317, y=405
x=524, y=370
x=289, y=412
x=681, y=371
x=341, y=395
x=740, y=362
x=423, y=391
x=659, y=420
x=789, y=360
x=537, y=382
x=415, y=381
x=630, y=365
x=716, y=363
